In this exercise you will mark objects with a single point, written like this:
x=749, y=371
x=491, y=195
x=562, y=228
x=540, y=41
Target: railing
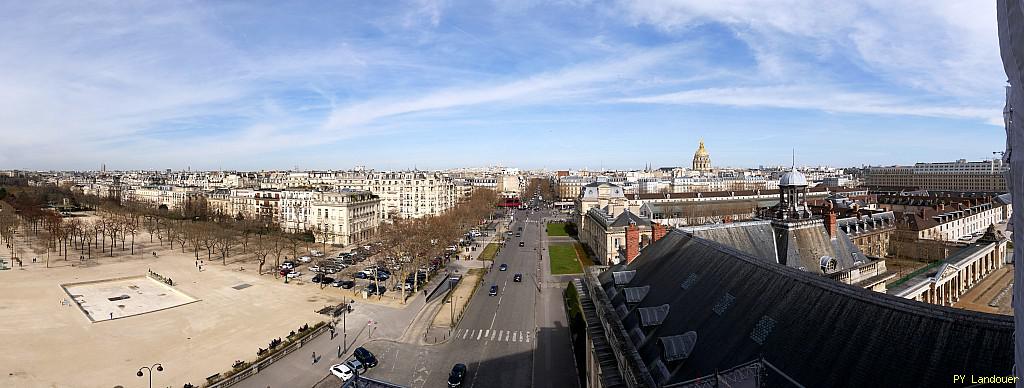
x=264, y=363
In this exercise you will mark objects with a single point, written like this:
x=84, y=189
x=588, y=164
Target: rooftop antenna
x=794, y=159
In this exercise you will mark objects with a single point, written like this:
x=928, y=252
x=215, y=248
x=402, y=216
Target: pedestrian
x=339, y=351
x=314, y=357
x=111, y=315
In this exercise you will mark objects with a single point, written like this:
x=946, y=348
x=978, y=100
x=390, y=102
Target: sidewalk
x=364, y=323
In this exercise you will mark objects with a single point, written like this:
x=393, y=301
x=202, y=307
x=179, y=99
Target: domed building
x=701, y=159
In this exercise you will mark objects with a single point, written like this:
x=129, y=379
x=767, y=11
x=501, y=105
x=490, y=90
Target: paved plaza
x=49, y=342
x=103, y=300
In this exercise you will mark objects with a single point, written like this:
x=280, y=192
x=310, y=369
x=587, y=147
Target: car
x=517, y=278
x=509, y=233
x=287, y=266
x=503, y=267
x=520, y=229
x=314, y=269
x=494, y=290
x=316, y=253
x=457, y=376
x=522, y=244
x=360, y=275
x=293, y=275
x=346, y=284
x=343, y=371
x=323, y=279
x=305, y=259
x=365, y=357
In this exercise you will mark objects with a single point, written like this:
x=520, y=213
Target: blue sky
x=439, y=84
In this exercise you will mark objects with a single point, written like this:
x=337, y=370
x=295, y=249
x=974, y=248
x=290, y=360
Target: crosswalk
x=492, y=335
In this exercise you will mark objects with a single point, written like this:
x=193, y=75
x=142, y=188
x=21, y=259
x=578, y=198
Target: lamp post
x=158, y=367
x=344, y=325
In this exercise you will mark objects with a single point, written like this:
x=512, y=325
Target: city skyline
x=439, y=85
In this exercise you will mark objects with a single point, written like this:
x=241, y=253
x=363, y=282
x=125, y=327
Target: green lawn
x=557, y=229
x=563, y=259
x=489, y=252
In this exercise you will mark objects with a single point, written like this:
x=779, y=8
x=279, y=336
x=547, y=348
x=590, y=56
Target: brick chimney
x=657, y=231
x=632, y=243
x=830, y=224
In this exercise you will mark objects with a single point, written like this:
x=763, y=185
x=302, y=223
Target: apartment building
x=960, y=175
x=344, y=218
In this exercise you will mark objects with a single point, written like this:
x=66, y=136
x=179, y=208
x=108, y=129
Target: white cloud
x=572, y=82
x=943, y=47
x=817, y=97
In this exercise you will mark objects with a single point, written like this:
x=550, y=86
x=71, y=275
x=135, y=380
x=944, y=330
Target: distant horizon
x=371, y=168
x=436, y=84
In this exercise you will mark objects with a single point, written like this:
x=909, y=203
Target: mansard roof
x=817, y=331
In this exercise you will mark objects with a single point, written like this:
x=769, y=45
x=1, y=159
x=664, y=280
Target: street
x=499, y=337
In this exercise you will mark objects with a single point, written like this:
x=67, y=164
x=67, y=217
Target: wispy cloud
x=573, y=83
x=818, y=98
x=169, y=84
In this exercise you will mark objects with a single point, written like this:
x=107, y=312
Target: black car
x=522, y=244
x=359, y=275
x=494, y=290
x=364, y=356
x=458, y=374
x=517, y=277
x=503, y=267
x=323, y=279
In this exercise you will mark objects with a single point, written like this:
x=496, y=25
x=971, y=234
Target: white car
x=293, y=275
x=343, y=371
x=314, y=269
x=305, y=259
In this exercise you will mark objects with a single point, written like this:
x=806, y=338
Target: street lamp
x=344, y=325
x=158, y=367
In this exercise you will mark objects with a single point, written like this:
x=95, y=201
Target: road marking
x=527, y=337
x=478, y=334
x=500, y=333
x=507, y=336
x=494, y=334
x=487, y=333
x=465, y=334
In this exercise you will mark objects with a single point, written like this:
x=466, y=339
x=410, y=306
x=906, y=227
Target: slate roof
x=818, y=331
x=799, y=248
x=627, y=218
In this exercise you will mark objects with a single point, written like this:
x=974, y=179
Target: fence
x=264, y=363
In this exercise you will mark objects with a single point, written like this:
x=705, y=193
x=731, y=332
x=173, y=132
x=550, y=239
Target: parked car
x=503, y=267
x=294, y=274
x=316, y=253
x=346, y=284
x=305, y=259
x=365, y=357
x=343, y=371
x=314, y=268
x=287, y=265
x=517, y=278
x=457, y=376
x=522, y=244
x=323, y=279
x=360, y=275
x=494, y=290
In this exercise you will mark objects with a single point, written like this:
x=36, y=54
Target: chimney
x=632, y=243
x=657, y=232
x=830, y=224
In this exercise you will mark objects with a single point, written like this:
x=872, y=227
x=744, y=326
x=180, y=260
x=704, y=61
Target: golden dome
x=701, y=151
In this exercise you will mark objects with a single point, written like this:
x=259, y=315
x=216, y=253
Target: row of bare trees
x=416, y=241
